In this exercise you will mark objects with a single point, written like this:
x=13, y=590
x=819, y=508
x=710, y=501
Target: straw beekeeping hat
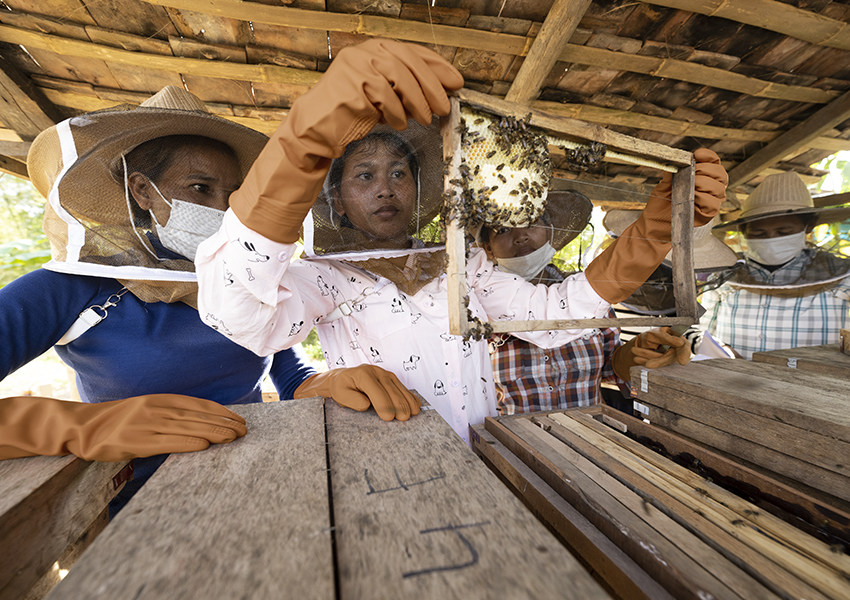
x=77, y=166
x=783, y=194
x=710, y=254
x=569, y=213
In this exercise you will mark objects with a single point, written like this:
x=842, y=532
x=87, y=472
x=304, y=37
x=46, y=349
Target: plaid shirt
x=751, y=322
x=530, y=379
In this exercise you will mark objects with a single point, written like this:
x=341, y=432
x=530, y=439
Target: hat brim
x=102, y=137
x=823, y=215
x=569, y=213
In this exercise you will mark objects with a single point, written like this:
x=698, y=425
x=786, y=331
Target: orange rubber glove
x=643, y=350
x=361, y=387
x=379, y=81
x=114, y=431
x=629, y=261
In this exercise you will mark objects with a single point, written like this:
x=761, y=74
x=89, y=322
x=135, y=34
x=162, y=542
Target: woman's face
x=197, y=173
x=378, y=193
x=510, y=242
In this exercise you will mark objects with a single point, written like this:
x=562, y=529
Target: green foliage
x=23, y=245
x=312, y=346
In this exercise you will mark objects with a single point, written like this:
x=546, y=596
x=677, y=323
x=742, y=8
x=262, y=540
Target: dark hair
x=152, y=159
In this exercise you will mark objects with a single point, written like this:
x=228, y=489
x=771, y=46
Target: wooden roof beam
x=557, y=29
x=23, y=107
x=798, y=136
x=487, y=41
x=13, y=166
x=773, y=16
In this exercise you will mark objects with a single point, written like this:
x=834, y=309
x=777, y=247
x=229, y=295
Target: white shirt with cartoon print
x=251, y=291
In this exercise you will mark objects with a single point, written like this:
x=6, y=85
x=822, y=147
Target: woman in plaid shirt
x=529, y=378
x=787, y=295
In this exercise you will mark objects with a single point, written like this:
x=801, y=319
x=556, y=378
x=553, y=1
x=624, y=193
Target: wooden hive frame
x=680, y=162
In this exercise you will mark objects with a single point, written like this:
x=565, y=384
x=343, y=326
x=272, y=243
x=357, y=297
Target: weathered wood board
x=417, y=515
x=791, y=422
x=690, y=535
x=828, y=359
x=382, y=510
x=46, y=504
x=249, y=519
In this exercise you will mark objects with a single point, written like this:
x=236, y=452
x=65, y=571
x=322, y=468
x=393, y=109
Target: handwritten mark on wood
x=456, y=530
x=401, y=484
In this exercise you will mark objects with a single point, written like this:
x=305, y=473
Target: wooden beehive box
x=319, y=501
x=790, y=421
x=828, y=360
x=625, y=148
x=653, y=514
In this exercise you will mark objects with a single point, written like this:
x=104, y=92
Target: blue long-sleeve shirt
x=139, y=348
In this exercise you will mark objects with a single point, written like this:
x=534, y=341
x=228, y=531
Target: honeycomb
x=505, y=167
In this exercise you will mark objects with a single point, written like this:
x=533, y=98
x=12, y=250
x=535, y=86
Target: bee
x=491, y=154
x=514, y=192
x=494, y=188
x=500, y=167
x=502, y=178
x=478, y=121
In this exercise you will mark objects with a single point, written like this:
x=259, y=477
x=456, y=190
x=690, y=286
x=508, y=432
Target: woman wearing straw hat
x=530, y=378
x=131, y=192
x=382, y=298
x=788, y=294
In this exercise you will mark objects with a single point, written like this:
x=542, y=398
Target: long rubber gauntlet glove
x=379, y=81
x=361, y=387
x=644, y=350
x=629, y=261
x=113, y=431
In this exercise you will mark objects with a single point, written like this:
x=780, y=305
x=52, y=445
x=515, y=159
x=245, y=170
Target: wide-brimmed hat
x=710, y=254
x=569, y=213
x=326, y=233
x=77, y=166
x=783, y=194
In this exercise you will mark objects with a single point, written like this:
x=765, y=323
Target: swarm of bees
x=503, y=174
x=585, y=158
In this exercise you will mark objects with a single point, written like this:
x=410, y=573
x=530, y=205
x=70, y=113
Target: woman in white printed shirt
x=388, y=305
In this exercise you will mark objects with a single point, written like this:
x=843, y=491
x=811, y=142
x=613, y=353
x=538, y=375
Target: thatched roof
x=761, y=82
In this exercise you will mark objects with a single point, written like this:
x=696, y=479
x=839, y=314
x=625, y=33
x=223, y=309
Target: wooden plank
x=578, y=129
x=217, y=69
x=811, y=446
x=417, y=515
x=827, y=360
x=809, y=506
x=488, y=41
x=680, y=565
x=777, y=462
x=22, y=106
x=772, y=15
x=13, y=166
x=558, y=27
x=619, y=572
x=778, y=555
x=46, y=504
x=241, y=520
x=455, y=234
x=682, y=226
x=805, y=400
x=798, y=136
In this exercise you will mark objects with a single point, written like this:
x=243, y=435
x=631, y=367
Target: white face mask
x=776, y=251
x=530, y=265
x=189, y=225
